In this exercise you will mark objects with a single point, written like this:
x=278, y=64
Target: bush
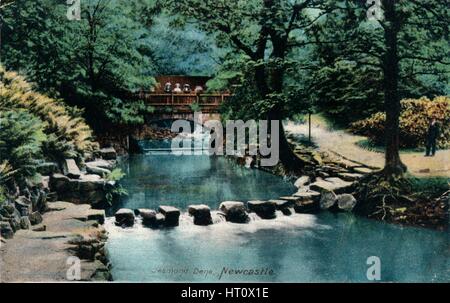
x=21, y=139
x=414, y=122
x=65, y=122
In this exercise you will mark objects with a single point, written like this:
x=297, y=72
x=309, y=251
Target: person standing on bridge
x=177, y=89
x=168, y=88
x=432, y=136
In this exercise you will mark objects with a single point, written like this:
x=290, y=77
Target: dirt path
x=33, y=256
x=344, y=144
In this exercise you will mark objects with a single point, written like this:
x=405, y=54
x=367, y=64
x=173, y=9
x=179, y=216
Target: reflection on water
x=181, y=181
x=300, y=248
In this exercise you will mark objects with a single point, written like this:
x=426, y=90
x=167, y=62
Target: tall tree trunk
x=393, y=164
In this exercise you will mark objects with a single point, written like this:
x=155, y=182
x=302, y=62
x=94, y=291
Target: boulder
x=10, y=209
x=109, y=165
x=201, y=214
x=25, y=222
x=148, y=216
x=346, y=202
x=71, y=169
x=92, y=169
x=307, y=195
x=59, y=183
x=108, y=153
x=171, y=215
x=328, y=200
x=234, y=211
x=124, y=217
x=47, y=168
x=35, y=218
x=6, y=230
x=302, y=181
x=336, y=185
x=264, y=209
x=23, y=205
x=307, y=207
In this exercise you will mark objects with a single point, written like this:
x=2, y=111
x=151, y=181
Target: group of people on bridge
x=168, y=89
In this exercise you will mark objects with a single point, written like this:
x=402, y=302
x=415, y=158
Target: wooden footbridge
x=184, y=103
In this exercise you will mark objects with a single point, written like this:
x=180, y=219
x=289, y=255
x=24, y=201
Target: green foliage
x=431, y=186
x=347, y=93
x=414, y=121
x=92, y=63
x=21, y=139
x=115, y=175
x=68, y=133
x=116, y=191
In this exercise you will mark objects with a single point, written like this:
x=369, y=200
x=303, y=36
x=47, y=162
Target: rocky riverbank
x=44, y=253
x=332, y=174
x=39, y=234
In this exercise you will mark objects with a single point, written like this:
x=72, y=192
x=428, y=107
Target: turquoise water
x=300, y=248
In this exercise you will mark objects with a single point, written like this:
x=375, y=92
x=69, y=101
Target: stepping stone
x=264, y=209
x=234, y=211
x=171, y=215
x=201, y=214
x=71, y=169
x=125, y=217
x=307, y=207
x=307, y=195
x=148, y=216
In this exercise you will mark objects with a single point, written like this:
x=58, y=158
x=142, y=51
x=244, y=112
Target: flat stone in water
x=171, y=214
x=234, y=211
x=125, y=217
x=201, y=214
x=264, y=209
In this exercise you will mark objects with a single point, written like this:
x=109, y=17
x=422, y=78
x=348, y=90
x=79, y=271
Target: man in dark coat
x=432, y=136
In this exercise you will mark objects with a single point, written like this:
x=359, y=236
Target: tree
x=407, y=44
x=93, y=63
x=264, y=33
x=407, y=23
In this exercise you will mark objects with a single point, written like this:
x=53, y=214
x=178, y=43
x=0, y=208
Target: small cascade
x=254, y=217
x=186, y=220
x=218, y=217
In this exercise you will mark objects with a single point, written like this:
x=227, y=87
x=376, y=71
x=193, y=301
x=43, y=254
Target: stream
x=300, y=248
